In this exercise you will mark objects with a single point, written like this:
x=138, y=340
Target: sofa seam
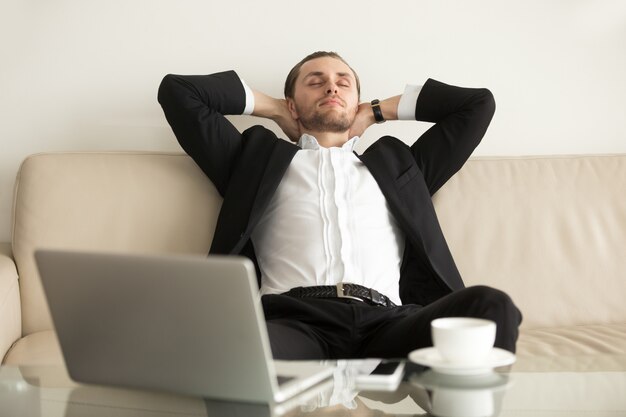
x=108, y=152
x=542, y=157
x=3, y=307
x=14, y=283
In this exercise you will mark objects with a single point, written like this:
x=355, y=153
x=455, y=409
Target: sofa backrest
x=550, y=231
x=119, y=201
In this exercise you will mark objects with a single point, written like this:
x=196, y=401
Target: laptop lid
x=192, y=325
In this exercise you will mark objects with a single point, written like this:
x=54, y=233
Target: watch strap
x=378, y=113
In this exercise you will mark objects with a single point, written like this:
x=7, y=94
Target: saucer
x=491, y=381
x=430, y=357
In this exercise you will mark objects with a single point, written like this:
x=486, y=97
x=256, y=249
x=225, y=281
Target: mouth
x=331, y=102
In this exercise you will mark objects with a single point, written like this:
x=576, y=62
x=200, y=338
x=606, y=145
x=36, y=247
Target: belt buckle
x=342, y=294
x=377, y=298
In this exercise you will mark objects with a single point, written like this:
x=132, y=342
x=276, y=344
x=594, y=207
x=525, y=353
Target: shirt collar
x=308, y=142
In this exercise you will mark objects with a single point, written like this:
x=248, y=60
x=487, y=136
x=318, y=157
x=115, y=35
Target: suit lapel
x=379, y=168
x=411, y=204
x=278, y=162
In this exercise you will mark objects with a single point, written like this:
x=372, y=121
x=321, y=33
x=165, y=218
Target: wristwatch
x=378, y=113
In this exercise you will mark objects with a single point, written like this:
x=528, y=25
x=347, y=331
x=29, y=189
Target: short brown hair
x=290, y=82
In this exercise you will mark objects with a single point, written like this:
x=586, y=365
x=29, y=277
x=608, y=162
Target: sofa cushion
x=550, y=231
x=574, y=348
x=131, y=202
x=600, y=347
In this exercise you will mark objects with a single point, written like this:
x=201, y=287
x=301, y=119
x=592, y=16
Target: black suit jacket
x=247, y=167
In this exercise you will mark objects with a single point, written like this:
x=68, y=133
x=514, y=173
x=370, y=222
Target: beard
x=331, y=121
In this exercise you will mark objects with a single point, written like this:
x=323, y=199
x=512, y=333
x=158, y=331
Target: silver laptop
x=191, y=325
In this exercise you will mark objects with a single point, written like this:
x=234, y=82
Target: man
x=349, y=253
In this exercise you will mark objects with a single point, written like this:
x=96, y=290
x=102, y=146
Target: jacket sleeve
x=461, y=117
x=194, y=106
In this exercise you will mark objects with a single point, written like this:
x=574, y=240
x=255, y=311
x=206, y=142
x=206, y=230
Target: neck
x=330, y=139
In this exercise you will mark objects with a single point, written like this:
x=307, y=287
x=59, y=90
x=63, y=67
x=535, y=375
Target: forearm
x=222, y=92
x=365, y=115
x=389, y=107
x=276, y=109
x=439, y=101
x=194, y=106
x=461, y=116
x=266, y=106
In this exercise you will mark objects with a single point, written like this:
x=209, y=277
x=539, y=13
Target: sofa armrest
x=10, y=309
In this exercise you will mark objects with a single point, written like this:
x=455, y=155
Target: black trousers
x=336, y=328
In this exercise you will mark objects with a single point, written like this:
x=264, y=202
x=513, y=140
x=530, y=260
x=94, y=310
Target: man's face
x=325, y=97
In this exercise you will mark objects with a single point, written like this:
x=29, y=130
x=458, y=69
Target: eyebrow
x=320, y=73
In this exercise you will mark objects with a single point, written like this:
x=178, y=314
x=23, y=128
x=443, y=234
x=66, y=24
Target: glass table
x=537, y=387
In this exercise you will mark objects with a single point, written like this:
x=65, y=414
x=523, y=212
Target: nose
x=331, y=88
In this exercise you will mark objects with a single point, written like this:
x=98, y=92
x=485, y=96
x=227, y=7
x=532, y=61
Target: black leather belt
x=341, y=290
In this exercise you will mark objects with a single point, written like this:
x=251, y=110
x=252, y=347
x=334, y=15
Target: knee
x=495, y=304
x=291, y=340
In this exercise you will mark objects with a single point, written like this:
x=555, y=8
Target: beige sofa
x=550, y=231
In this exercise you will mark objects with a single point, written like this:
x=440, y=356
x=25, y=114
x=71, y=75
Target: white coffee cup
x=463, y=340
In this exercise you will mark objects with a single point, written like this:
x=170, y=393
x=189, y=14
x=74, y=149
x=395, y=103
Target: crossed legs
x=338, y=328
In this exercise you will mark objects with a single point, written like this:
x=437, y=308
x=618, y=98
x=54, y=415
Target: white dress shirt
x=328, y=221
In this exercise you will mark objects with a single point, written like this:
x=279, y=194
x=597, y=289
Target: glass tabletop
x=518, y=391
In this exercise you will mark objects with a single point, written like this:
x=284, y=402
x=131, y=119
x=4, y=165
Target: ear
x=291, y=105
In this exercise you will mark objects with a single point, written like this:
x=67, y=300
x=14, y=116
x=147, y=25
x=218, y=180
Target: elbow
x=165, y=89
x=488, y=102
x=484, y=106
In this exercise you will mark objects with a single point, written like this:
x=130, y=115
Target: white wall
x=82, y=75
